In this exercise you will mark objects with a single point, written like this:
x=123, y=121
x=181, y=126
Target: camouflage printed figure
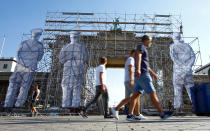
x=183, y=58
x=73, y=56
x=29, y=54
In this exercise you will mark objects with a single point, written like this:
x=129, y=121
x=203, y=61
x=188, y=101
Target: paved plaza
x=98, y=123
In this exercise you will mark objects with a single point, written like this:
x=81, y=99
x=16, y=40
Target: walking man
x=129, y=84
x=101, y=88
x=143, y=80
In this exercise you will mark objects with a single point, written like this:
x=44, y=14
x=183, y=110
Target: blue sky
x=20, y=16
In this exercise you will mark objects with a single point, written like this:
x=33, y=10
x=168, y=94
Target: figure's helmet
x=74, y=34
x=176, y=36
x=36, y=33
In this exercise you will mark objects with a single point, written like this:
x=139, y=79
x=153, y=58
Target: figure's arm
x=130, y=69
x=102, y=70
x=138, y=64
x=41, y=52
x=101, y=78
x=37, y=95
x=171, y=52
x=174, y=57
x=153, y=73
x=62, y=56
x=86, y=54
x=131, y=76
x=19, y=50
x=103, y=90
x=191, y=61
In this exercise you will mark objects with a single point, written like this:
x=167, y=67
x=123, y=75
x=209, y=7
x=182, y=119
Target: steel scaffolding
x=112, y=35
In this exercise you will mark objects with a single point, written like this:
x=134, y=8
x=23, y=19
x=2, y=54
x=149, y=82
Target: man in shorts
x=129, y=84
x=143, y=80
x=34, y=100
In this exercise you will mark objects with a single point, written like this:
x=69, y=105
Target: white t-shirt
x=100, y=68
x=129, y=61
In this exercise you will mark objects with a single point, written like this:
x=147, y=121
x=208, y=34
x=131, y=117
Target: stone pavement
x=97, y=123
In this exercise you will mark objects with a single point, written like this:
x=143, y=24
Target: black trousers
x=105, y=97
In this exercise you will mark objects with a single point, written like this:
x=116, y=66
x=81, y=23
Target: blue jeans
x=144, y=83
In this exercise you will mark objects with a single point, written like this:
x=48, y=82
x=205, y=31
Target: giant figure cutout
x=73, y=55
x=183, y=58
x=30, y=52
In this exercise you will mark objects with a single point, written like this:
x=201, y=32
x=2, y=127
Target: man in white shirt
x=101, y=88
x=129, y=84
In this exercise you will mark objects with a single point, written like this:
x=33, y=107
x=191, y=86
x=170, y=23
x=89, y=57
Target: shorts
x=144, y=83
x=128, y=91
x=34, y=103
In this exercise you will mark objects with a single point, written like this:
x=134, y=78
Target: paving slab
x=98, y=123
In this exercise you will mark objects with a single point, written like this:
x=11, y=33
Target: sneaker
x=141, y=117
x=115, y=113
x=166, y=115
x=83, y=114
x=108, y=117
x=131, y=117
